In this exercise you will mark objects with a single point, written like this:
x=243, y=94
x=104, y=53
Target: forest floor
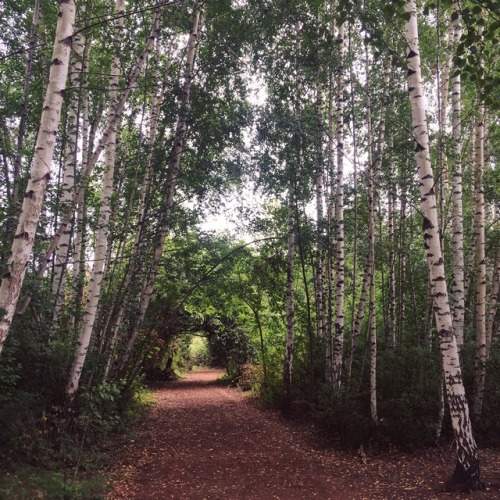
x=203, y=440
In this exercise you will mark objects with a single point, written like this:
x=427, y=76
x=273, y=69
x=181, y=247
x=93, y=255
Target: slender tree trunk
x=466, y=474
x=40, y=169
x=338, y=347
x=374, y=174
x=443, y=82
x=493, y=306
x=368, y=267
x=479, y=222
x=139, y=242
x=401, y=288
x=355, y=208
x=330, y=222
x=88, y=138
x=69, y=167
x=92, y=161
x=173, y=171
x=391, y=203
x=96, y=280
x=21, y=132
x=457, y=287
x=305, y=281
x=290, y=312
x=320, y=265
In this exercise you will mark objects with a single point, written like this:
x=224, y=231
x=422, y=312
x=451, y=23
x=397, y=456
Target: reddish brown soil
x=205, y=441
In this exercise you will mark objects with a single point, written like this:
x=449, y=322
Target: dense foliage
x=254, y=116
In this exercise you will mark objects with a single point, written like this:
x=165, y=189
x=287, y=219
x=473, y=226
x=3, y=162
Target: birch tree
x=339, y=220
x=480, y=244
x=457, y=287
x=96, y=280
x=69, y=167
x=170, y=188
x=22, y=245
x=290, y=311
x=466, y=473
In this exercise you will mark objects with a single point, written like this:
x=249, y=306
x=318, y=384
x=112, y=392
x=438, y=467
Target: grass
x=27, y=482
x=54, y=479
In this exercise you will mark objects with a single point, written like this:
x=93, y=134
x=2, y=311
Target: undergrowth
x=60, y=453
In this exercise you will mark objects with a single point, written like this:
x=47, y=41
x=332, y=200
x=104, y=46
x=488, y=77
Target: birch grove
x=234, y=183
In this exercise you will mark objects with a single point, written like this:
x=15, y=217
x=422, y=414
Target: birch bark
x=338, y=346
x=479, y=222
x=457, y=287
x=391, y=203
x=138, y=249
x=69, y=168
x=97, y=276
x=92, y=161
x=320, y=266
x=466, y=473
x=173, y=171
x=40, y=169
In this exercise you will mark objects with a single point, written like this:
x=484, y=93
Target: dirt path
x=205, y=441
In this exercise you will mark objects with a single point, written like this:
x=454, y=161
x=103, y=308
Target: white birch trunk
x=78, y=268
x=457, y=288
x=69, y=169
x=443, y=82
x=338, y=346
x=391, y=203
x=373, y=176
x=330, y=222
x=493, y=305
x=40, y=169
x=156, y=101
x=479, y=222
x=175, y=161
x=466, y=474
x=96, y=280
x=320, y=266
x=92, y=161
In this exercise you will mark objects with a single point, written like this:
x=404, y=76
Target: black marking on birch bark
x=419, y=147
x=56, y=62
x=24, y=235
x=68, y=41
x=427, y=224
x=428, y=176
x=411, y=72
x=29, y=194
x=411, y=89
x=411, y=54
x=439, y=278
x=439, y=294
x=7, y=275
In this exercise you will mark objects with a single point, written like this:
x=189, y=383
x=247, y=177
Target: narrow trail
x=205, y=441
